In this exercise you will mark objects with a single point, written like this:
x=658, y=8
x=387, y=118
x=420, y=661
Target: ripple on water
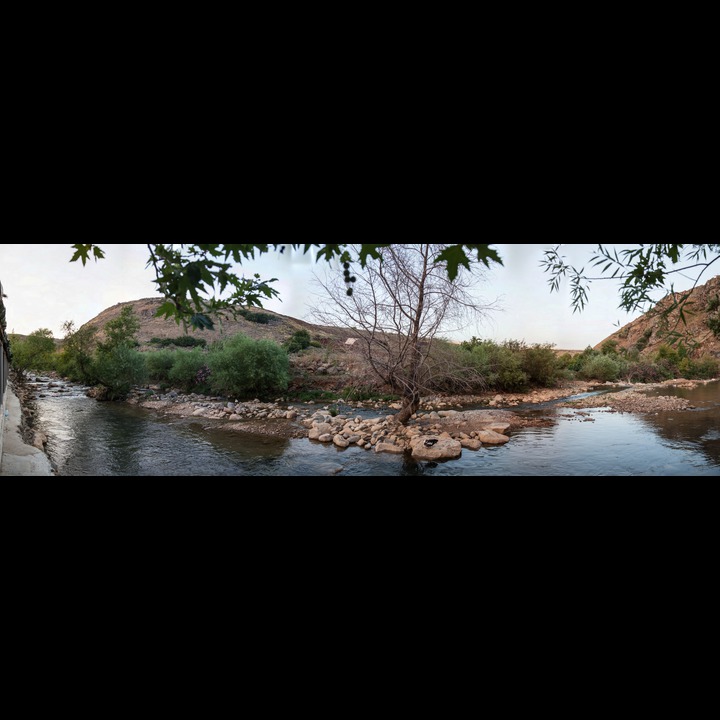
x=91, y=438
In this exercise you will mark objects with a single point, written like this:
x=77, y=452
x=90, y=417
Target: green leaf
x=167, y=309
x=200, y=321
x=454, y=256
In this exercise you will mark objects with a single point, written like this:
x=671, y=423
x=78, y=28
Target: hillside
x=333, y=366
x=650, y=331
x=279, y=328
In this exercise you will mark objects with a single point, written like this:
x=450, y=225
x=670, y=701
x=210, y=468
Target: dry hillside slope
x=650, y=331
x=279, y=329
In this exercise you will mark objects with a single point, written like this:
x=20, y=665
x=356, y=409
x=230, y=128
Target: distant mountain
x=650, y=330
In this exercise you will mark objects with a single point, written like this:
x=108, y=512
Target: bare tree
x=399, y=305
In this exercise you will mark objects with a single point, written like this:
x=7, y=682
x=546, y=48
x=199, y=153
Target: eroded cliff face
x=651, y=330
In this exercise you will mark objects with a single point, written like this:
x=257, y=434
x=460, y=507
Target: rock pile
x=383, y=434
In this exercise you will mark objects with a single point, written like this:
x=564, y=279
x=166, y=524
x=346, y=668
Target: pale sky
x=45, y=289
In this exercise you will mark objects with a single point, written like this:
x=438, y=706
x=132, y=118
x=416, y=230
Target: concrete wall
x=4, y=370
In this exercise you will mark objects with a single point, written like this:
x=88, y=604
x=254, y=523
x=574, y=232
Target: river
x=87, y=437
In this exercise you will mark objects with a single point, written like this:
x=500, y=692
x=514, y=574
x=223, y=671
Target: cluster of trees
x=513, y=366
x=610, y=364
x=238, y=366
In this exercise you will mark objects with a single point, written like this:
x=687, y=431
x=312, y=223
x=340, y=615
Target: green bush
x=256, y=317
x=705, y=368
x=609, y=347
x=601, y=367
x=241, y=367
x=159, y=364
x=180, y=341
x=541, y=365
x=119, y=369
x=34, y=352
x=713, y=324
x=298, y=342
x=185, y=369
x=642, y=343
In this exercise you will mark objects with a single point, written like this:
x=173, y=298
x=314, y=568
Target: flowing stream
x=87, y=437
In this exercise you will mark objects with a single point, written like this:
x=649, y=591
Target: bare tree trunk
x=410, y=407
x=398, y=306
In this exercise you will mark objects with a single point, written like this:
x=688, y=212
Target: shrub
x=118, y=369
x=159, y=364
x=180, y=341
x=261, y=318
x=185, y=369
x=713, y=324
x=540, y=364
x=601, y=367
x=242, y=367
x=609, y=347
x=299, y=341
x=643, y=372
x=706, y=368
x=642, y=343
x=35, y=352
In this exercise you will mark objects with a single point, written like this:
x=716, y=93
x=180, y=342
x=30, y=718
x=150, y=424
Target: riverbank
x=194, y=435
x=443, y=426
x=20, y=458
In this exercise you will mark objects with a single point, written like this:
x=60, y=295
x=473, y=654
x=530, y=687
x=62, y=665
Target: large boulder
x=490, y=437
x=435, y=448
x=320, y=429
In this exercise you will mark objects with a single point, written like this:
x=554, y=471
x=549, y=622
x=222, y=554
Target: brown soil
x=650, y=324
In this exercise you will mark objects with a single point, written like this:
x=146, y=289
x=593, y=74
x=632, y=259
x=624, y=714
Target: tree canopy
x=198, y=280
x=194, y=277
x=640, y=272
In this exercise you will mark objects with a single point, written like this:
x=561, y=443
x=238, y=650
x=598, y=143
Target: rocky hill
x=333, y=364
x=649, y=331
x=278, y=327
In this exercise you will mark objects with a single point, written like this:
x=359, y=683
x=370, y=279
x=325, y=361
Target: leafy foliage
x=641, y=271
x=198, y=279
x=119, y=369
x=256, y=317
x=35, y=352
x=298, y=342
x=180, y=341
x=242, y=367
x=121, y=330
x=159, y=364
x=185, y=369
x=76, y=359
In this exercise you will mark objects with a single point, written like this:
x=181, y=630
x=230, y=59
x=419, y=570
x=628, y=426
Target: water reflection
x=91, y=438
x=698, y=428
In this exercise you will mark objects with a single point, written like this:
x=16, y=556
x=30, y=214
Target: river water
x=87, y=437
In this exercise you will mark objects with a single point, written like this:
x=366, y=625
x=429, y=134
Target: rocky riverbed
x=443, y=427
x=634, y=399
